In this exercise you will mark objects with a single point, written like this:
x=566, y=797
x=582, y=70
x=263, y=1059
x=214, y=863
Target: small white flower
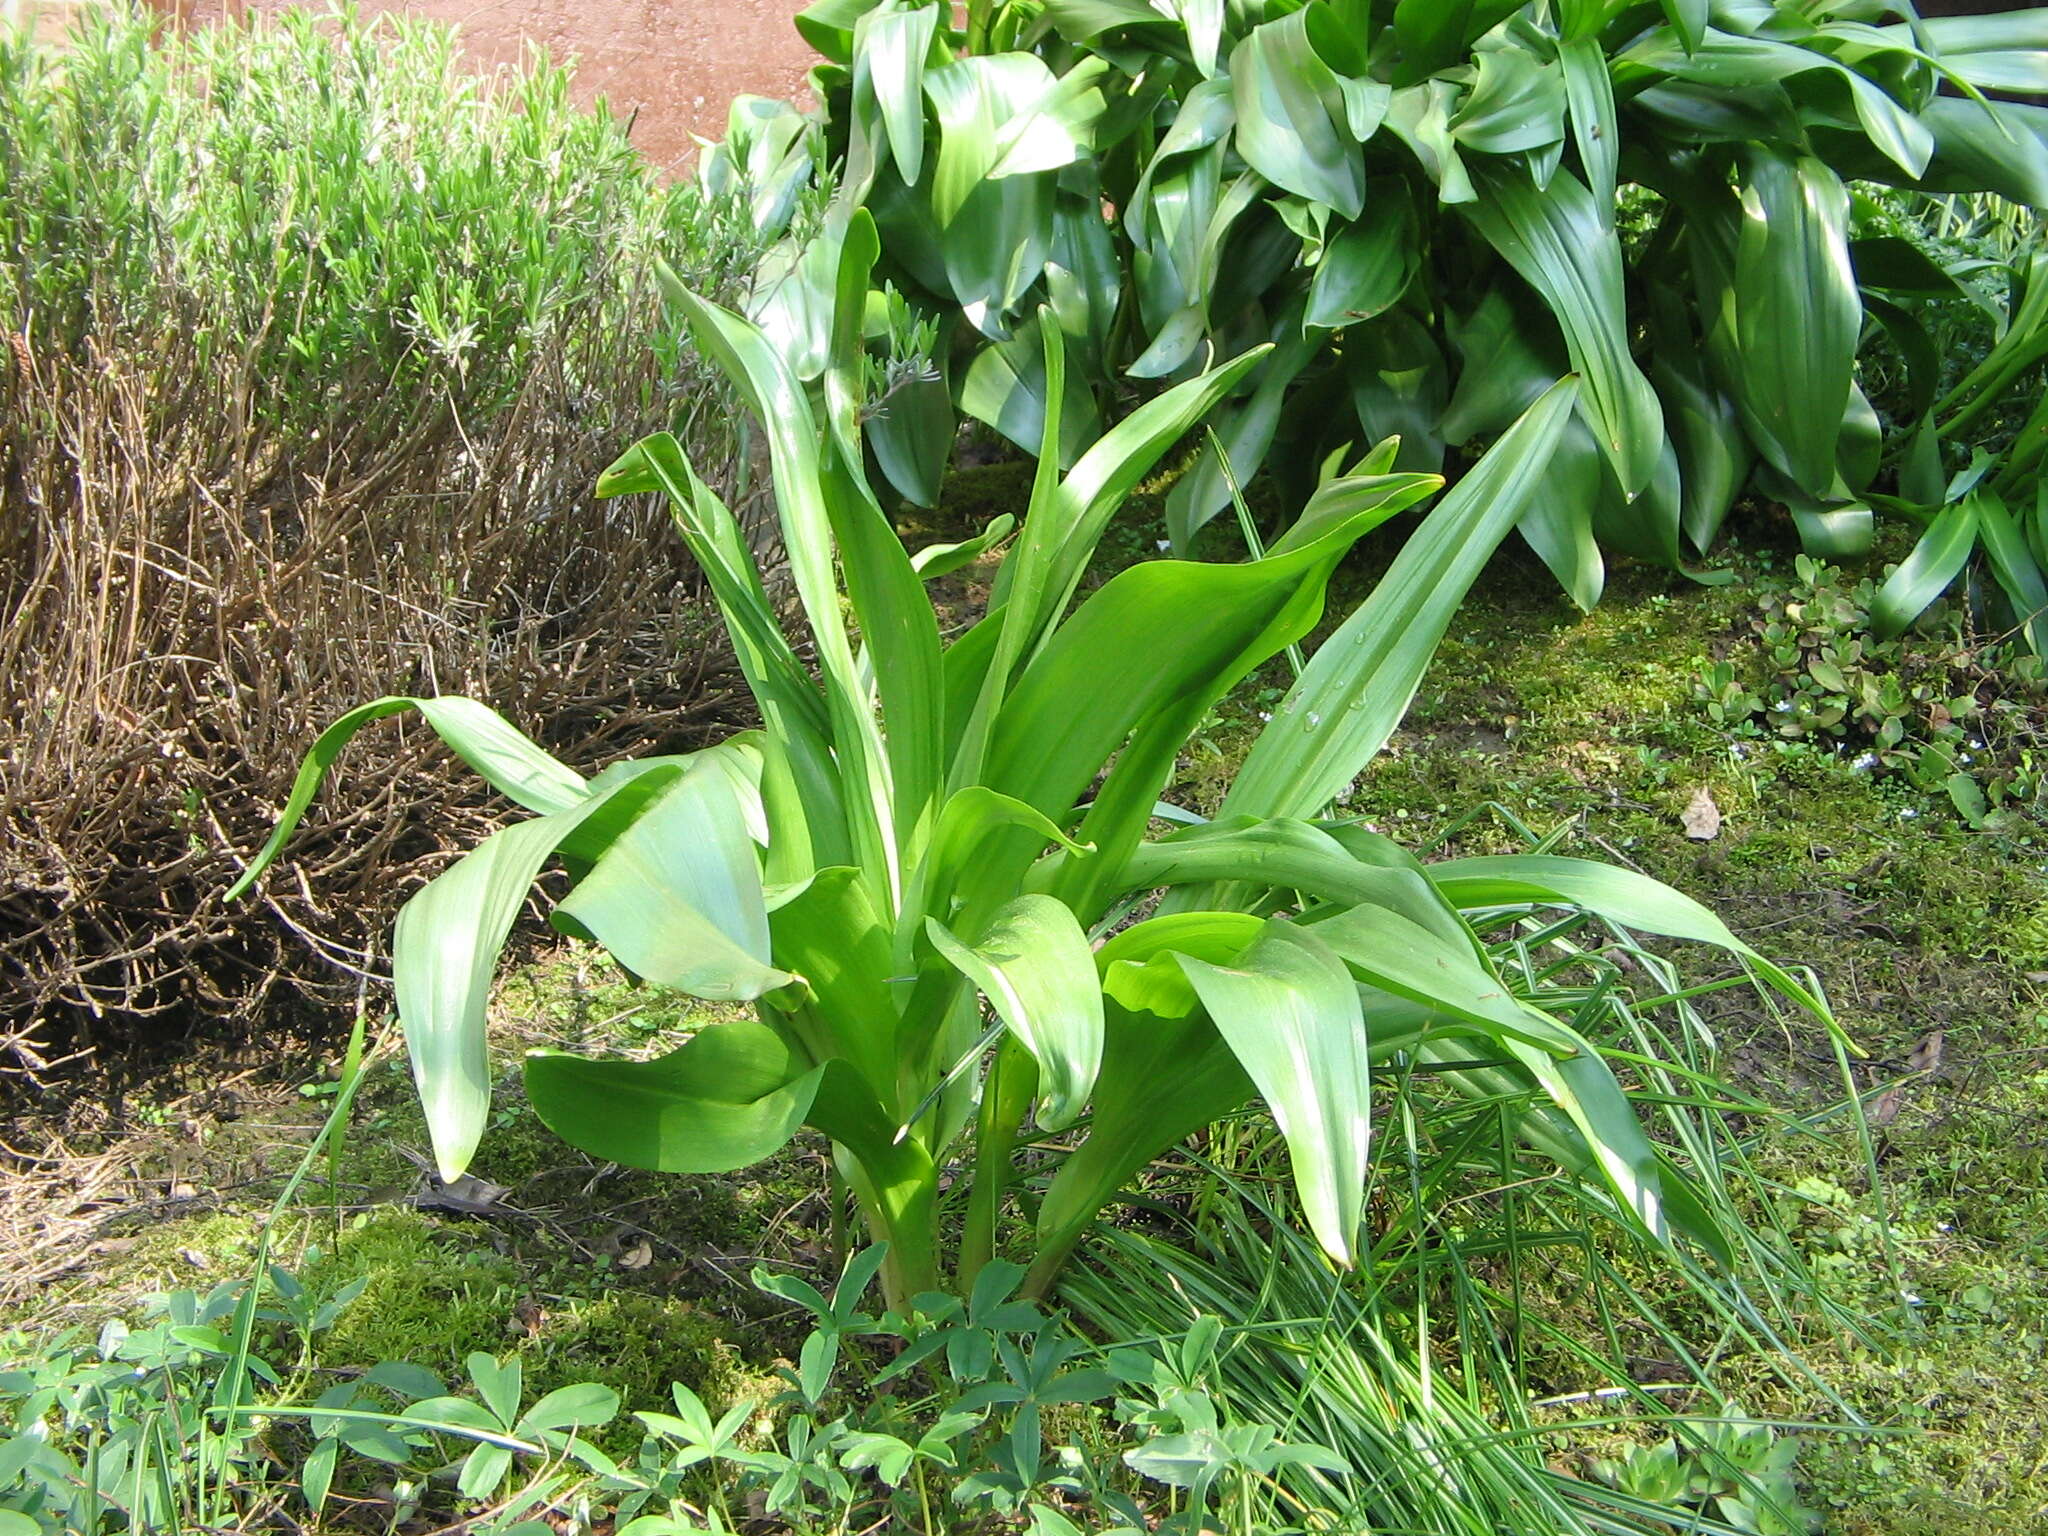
x=1865, y=763
x=1164, y=545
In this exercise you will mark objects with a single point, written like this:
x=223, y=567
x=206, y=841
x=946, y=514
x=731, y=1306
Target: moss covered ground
x=1931, y=939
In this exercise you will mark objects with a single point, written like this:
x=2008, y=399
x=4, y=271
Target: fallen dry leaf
x=1701, y=818
x=639, y=1256
x=1886, y=1109
x=1926, y=1055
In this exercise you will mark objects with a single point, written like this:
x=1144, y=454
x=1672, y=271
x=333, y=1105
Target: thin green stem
x=1006, y=1096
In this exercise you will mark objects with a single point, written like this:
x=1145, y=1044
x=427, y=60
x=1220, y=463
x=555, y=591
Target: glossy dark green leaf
x=1936, y=560
x=1397, y=379
x=1714, y=455
x=1420, y=116
x=1368, y=265
x=1246, y=430
x=890, y=49
x=1988, y=147
x=1294, y=120
x=1589, y=97
x=1516, y=103
x=911, y=432
x=1430, y=34
x=2018, y=570
x=1897, y=265
x=1797, y=315
x=2007, y=52
x=1005, y=387
x=1565, y=248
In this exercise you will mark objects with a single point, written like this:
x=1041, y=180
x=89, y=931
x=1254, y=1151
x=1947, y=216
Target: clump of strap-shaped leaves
x=1415, y=202
x=935, y=869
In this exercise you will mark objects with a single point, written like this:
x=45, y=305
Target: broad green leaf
x=831, y=937
x=1994, y=53
x=911, y=432
x=1116, y=462
x=1429, y=34
x=1619, y=895
x=1356, y=687
x=1368, y=265
x=1517, y=103
x=827, y=25
x=1834, y=531
x=1034, y=965
x=1797, y=315
x=1398, y=380
x=1289, y=1012
x=1897, y=265
x=779, y=403
x=1057, y=729
x=1083, y=21
x=1084, y=280
x=1733, y=65
x=791, y=300
x=2018, y=572
x=1005, y=387
x=1564, y=246
x=890, y=47
x=445, y=947
x=1986, y=146
x=898, y=626
x=1246, y=431
x=581, y=1405
x=729, y=1096
x=1689, y=18
x=481, y=737
x=1937, y=559
x=498, y=1383
x=1174, y=204
x=1295, y=124
x=1289, y=855
x=1714, y=454
x=1559, y=524
x=677, y=899
x=1589, y=95
x=1420, y=116
x=1162, y=1080
x=936, y=560
x=1004, y=115
x=1398, y=955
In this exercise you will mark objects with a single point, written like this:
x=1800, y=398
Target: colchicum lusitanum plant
x=934, y=869
x=1434, y=210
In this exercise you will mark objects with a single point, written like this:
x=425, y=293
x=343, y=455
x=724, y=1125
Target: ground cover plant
x=1432, y=212
x=315, y=344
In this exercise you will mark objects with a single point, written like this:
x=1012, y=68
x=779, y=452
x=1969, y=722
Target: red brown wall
x=672, y=66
